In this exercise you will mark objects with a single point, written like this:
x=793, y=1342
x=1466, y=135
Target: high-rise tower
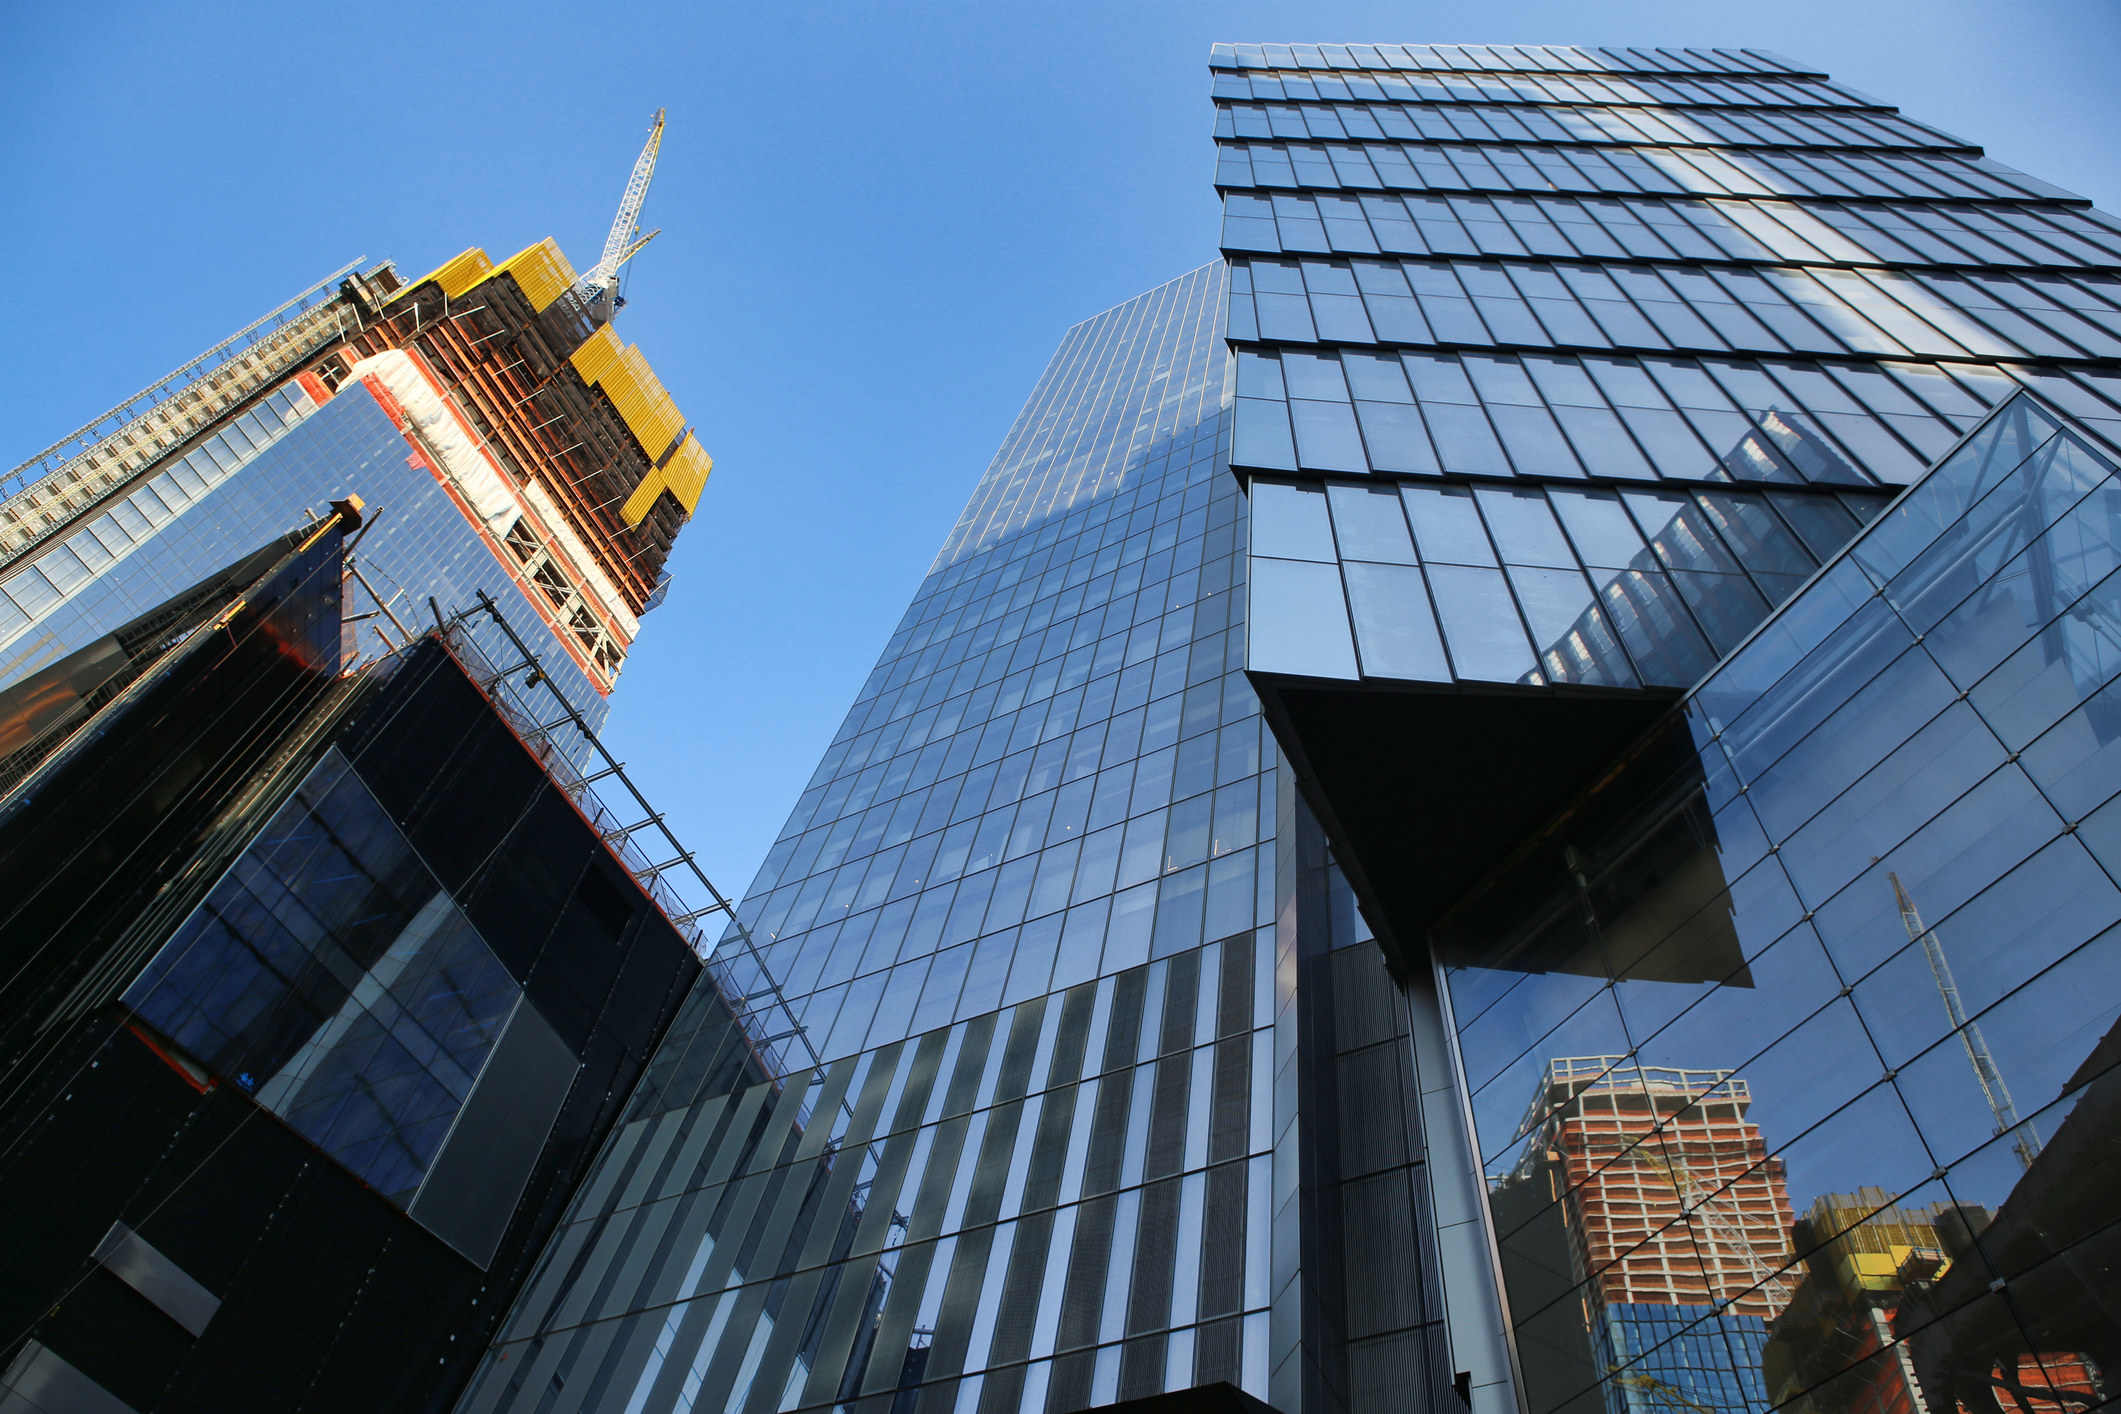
x=1641, y=487
x=1015, y=1147
x=502, y=435
x=1566, y=378
x=325, y=965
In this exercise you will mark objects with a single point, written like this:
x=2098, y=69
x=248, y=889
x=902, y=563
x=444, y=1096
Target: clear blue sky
x=878, y=219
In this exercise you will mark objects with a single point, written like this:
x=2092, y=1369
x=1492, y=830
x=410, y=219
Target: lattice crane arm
x=2025, y=1139
x=625, y=237
x=630, y=251
x=1696, y=1201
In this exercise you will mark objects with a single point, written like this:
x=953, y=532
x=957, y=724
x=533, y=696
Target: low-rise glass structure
x=320, y=994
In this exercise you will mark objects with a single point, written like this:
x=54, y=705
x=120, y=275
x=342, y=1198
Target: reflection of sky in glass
x=1915, y=883
x=330, y=976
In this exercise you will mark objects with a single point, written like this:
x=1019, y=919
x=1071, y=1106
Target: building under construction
x=500, y=386
x=324, y=968
x=1665, y=1211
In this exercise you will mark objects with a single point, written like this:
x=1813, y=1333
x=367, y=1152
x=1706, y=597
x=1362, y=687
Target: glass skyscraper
x=1493, y=805
x=1001, y=1132
x=1565, y=379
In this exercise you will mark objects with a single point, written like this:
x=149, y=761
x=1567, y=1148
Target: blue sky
x=878, y=219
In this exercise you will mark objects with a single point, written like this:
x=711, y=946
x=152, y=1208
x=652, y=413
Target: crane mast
x=2027, y=1139
x=598, y=287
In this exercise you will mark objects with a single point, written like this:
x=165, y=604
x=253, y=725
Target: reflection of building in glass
x=1651, y=606
x=2056, y=1349
x=1677, y=1222
x=1862, y=1252
x=1758, y=836
x=317, y=986
x=1673, y=1198
x=1838, y=1348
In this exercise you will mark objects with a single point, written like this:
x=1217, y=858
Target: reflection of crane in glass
x=2027, y=1142
x=1696, y=1202
x=1671, y=1396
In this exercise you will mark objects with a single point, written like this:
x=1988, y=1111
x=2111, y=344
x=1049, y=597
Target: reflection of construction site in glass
x=1698, y=1290
x=1892, y=1307
x=1677, y=1220
x=1680, y=1236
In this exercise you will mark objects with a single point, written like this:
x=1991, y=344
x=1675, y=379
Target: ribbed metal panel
x=1373, y=1109
x=1042, y=1181
x=1155, y=1247
x=1366, y=1005
x=1222, y=1243
x=961, y=1302
x=1108, y=1134
x=1181, y=994
x=1167, y=1116
x=1233, y=1011
x=1230, y=1116
x=1141, y=1366
x=1069, y=1388
x=1082, y=1301
x=1074, y=1034
x=1020, y=1291
x=1387, y=1376
x=1123, y=1034
x=1383, y=1290
x=1219, y=1352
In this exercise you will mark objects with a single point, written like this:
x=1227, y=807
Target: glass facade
x=1658, y=280
x=328, y=974
x=1790, y=1052
x=1575, y=382
x=320, y=996
x=1002, y=1130
x=257, y=477
x=1633, y=938
x=325, y=971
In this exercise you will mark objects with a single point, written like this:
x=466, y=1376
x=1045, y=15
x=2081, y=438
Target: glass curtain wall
x=1562, y=369
x=1791, y=1051
x=274, y=467
x=1654, y=273
x=1000, y=1131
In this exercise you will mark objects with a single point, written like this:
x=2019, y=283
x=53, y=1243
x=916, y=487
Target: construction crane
x=598, y=286
x=2027, y=1140
x=1668, y=1395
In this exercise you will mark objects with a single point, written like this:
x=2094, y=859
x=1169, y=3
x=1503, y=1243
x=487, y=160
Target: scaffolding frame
x=760, y=1006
